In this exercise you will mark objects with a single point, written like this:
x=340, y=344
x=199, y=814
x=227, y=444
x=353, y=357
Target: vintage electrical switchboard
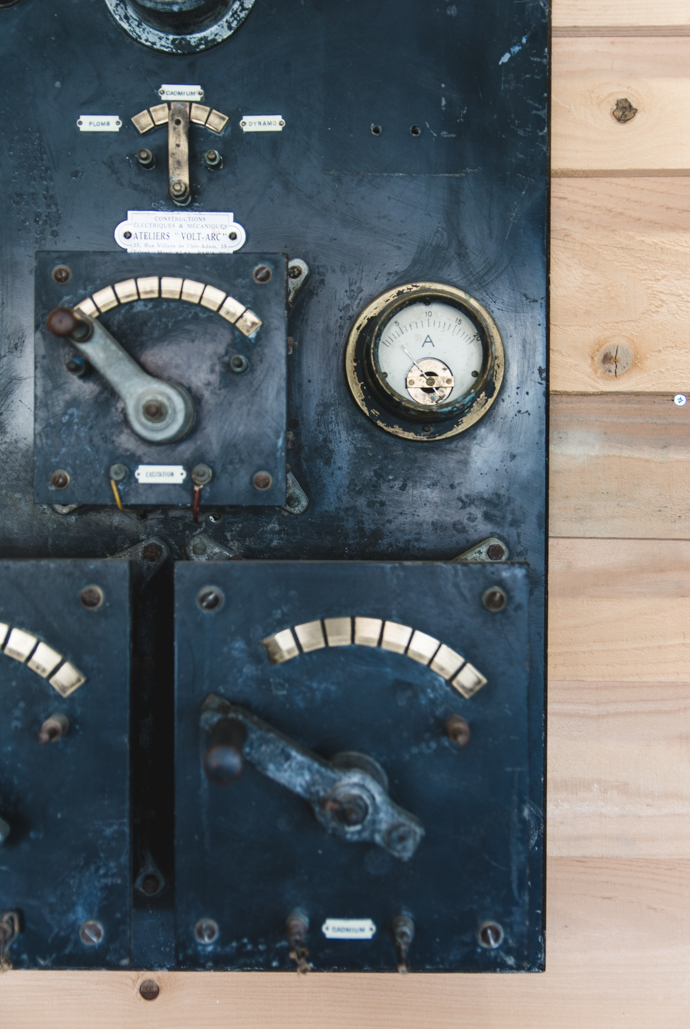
x=272, y=526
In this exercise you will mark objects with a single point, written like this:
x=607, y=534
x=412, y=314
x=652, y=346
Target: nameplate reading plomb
x=180, y=232
x=99, y=123
x=262, y=123
x=170, y=91
x=348, y=929
x=160, y=474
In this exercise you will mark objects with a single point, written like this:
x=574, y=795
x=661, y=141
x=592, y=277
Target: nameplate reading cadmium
x=160, y=474
x=180, y=232
x=348, y=929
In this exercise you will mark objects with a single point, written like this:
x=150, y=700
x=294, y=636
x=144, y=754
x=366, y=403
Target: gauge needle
x=435, y=388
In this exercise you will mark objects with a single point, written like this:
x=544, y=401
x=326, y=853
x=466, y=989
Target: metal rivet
x=60, y=479
x=62, y=274
x=262, y=274
x=457, y=730
x=201, y=474
x=623, y=111
x=376, y=130
x=53, y=729
x=209, y=598
x=152, y=552
x=495, y=552
x=262, y=480
x=490, y=935
x=415, y=130
x=232, y=235
x=149, y=989
x=127, y=234
x=118, y=472
x=494, y=599
x=91, y=597
x=206, y=931
x=91, y=933
x=238, y=363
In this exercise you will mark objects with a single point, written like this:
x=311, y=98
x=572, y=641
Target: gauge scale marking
x=427, y=354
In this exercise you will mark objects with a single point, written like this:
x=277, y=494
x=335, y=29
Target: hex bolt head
x=490, y=935
x=91, y=597
x=154, y=410
x=457, y=730
x=118, y=472
x=495, y=552
x=61, y=274
x=60, y=479
x=145, y=158
x=53, y=729
x=91, y=933
x=149, y=989
x=206, y=931
x=262, y=274
x=494, y=599
x=262, y=480
x=201, y=474
x=152, y=552
x=209, y=598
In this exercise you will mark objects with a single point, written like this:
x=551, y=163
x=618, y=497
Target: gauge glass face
x=430, y=353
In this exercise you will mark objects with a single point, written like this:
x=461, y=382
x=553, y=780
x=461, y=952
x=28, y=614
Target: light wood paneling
x=619, y=466
x=619, y=769
x=619, y=610
x=620, y=13
x=589, y=75
x=621, y=284
x=618, y=959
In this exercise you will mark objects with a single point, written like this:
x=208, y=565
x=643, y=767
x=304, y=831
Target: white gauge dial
x=430, y=353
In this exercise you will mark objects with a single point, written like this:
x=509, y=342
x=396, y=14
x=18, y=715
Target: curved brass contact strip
x=26, y=648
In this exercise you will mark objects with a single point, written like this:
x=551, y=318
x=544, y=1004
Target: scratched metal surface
x=66, y=859
x=462, y=202
x=250, y=853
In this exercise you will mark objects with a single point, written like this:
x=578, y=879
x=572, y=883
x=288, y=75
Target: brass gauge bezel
x=411, y=420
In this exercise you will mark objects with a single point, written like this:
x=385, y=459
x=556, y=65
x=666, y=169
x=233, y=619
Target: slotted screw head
x=490, y=935
x=59, y=479
x=91, y=933
x=91, y=597
x=262, y=480
x=206, y=930
x=61, y=274
x=494, y=599
x=209, y=598
x=262, y=274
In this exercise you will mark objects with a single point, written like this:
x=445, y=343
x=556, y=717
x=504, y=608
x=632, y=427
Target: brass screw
x=145, y=158
x=60, y=479
x=262, y=274
x=61, y=274
x=262, y=480
x=494, y=599
x=91, y=933
x=149, y=989
x=91, y=597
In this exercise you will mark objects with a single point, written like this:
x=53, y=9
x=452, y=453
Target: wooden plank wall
x=618, y=948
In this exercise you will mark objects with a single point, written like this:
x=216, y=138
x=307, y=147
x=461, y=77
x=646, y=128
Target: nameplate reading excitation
x=180, y=232
x=99, y=123
x=262, y=123
x=165, y=474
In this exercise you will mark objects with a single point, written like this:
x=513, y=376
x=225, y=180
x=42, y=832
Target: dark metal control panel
x=273, y=437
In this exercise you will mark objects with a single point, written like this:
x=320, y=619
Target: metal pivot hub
x=430, y=381
x=349, y=794
x=158, y=411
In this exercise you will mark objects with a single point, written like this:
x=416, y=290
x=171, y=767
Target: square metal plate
x=251, y=853
x=80, y=424
x=66, y=860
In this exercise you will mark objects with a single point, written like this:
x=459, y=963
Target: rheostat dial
x=425, y=361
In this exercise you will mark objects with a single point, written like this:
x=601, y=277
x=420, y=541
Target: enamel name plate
x=348, y=929
x=262, y=123
x=99, y=123
x=180, y=232
x=170, y=91
x=165, y=474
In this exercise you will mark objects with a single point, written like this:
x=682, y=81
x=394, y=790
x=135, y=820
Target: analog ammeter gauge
x=425, y=361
